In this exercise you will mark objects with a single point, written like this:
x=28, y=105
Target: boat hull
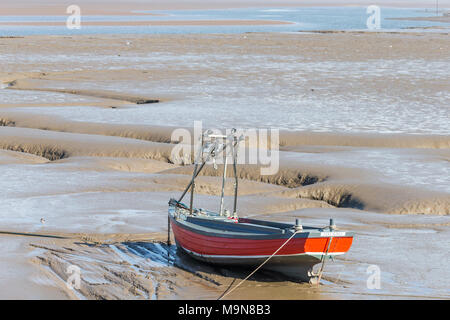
x=295, y=259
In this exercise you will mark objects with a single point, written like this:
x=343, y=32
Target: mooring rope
x=265, y=261
x=323, y=261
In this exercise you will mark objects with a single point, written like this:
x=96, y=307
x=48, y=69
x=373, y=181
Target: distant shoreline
x=155, y=23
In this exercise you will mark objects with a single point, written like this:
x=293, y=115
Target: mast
x=213, y=148
x=235, y=144
x=223, y=183
x=191, y=207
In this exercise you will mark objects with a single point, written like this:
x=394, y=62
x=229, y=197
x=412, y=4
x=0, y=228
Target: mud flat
x=87, y=171
x=49, y=7
x=433, y=19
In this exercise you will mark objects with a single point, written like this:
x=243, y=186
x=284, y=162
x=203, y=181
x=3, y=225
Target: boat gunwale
x=309, y=232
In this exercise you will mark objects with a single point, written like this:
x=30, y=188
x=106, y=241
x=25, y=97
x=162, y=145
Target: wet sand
x=102, y=186
x=117, y=7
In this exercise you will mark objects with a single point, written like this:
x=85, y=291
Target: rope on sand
x=265, y=261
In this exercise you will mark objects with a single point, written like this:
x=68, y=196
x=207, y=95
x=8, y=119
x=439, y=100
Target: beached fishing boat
x=226, y=239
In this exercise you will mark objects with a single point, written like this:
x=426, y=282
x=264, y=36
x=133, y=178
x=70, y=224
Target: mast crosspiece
x=212, y=145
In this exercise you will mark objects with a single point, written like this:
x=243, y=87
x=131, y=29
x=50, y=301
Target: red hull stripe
x=218, y=246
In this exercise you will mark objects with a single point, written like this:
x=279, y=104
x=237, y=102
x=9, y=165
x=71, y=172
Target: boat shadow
x=171, y=256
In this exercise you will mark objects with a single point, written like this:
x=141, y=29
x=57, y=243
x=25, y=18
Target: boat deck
x=221, y=226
